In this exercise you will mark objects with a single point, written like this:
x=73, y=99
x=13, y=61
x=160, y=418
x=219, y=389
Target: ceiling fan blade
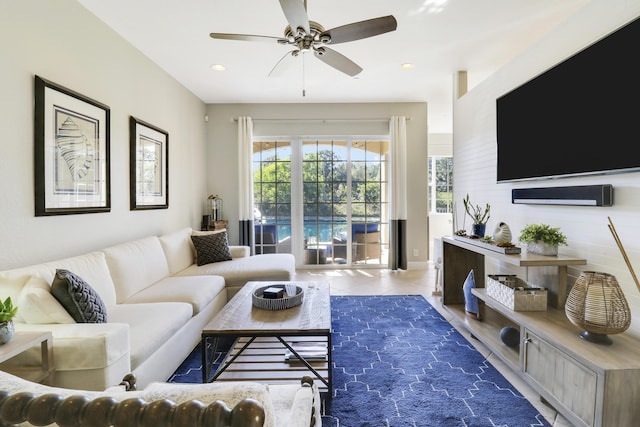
x=362, y=29
x=296, y=13
x=282, y=65
x=244, y=37
x=337, y=61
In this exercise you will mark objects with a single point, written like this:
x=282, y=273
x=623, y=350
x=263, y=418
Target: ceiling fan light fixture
x=304, y=35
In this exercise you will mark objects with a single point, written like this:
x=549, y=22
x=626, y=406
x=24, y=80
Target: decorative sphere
x=510, y=336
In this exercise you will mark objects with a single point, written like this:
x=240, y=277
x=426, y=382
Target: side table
x=21, y=342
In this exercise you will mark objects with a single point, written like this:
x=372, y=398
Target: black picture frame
x=71, y=152
x=148, y=166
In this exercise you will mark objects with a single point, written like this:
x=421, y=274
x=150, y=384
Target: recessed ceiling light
x=433, y=6
x=407, y=66
x=218, y=67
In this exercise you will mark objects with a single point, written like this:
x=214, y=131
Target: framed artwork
x=149, y=165
x=71, y=139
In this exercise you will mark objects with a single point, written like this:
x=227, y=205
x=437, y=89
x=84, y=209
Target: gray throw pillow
x=80, y=300
x=211, y=248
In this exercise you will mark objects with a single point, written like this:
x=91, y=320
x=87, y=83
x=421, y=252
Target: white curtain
x=245, y=172
x=398, y=194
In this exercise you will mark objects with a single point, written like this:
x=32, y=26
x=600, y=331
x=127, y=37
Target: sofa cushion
x=80, y=300
x=198, y=291
x=39, y=306
x=178, y=249
x=150, y=325
x=231, y=393
x=211, y=248
x=101, y=344
x=135, y=265
x=92, y=267
x=11, y=284
x=242, y=270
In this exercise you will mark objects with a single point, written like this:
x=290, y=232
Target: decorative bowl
x=277, y=303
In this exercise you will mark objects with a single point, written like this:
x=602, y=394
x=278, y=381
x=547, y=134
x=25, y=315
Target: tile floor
x=368, y=281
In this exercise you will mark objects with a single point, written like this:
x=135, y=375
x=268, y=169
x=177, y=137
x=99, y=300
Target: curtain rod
x=322, y=120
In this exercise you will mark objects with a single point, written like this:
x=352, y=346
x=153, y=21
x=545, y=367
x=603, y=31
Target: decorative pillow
x=470, y=300
x=211, y=248
x=79, y=299
x=203, y=233
x=38, y=306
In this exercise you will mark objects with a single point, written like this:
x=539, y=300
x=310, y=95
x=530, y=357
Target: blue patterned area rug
x=398, y=362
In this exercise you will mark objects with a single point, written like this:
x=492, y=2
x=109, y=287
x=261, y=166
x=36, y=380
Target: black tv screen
x=580, y=117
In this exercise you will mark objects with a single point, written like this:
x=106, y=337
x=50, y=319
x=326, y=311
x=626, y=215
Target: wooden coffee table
x=264, y=336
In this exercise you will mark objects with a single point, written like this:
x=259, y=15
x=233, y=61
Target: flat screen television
x=580, y=117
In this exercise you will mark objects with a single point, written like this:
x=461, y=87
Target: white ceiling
x=440, y=37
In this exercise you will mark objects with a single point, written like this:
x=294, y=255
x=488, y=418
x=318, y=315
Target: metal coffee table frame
x=239, y=319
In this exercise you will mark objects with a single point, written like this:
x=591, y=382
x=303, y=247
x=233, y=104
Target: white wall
x=61, y=41
x=222, y=133
x=475, y=158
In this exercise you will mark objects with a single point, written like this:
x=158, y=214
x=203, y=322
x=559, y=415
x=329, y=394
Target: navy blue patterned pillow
x=211, y=248
x=80, y=300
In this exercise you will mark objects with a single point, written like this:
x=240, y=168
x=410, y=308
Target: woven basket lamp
x=597, y=305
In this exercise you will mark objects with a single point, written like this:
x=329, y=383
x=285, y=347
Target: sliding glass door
x=323, y=200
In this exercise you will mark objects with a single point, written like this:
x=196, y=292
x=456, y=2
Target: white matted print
x=71, y=135
x=149, y=160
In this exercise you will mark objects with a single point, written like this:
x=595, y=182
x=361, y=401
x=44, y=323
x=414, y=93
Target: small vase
x=6, y=331
x=478, y=229
x=542, y=248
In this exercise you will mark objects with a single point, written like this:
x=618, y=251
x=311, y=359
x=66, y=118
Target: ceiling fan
x=305, y=35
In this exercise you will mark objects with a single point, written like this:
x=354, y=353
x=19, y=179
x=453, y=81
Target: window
x=440, y=184
x=323, y=200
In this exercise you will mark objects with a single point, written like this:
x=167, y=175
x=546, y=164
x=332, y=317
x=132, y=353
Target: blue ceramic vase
x=478, y=229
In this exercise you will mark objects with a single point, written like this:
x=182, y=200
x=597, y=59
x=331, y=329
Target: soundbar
x=580, y=195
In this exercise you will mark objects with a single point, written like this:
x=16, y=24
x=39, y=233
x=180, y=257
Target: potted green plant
x=7, y=313
x=479, y=215
x=542, y=239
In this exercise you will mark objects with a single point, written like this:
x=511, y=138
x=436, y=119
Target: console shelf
x=589, y=384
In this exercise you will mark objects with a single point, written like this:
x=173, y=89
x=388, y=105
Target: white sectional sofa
x=157, y=301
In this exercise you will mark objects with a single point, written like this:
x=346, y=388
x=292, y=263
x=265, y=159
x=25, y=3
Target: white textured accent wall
x=586, y=227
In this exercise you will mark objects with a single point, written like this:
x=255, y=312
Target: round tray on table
x=277, y=303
